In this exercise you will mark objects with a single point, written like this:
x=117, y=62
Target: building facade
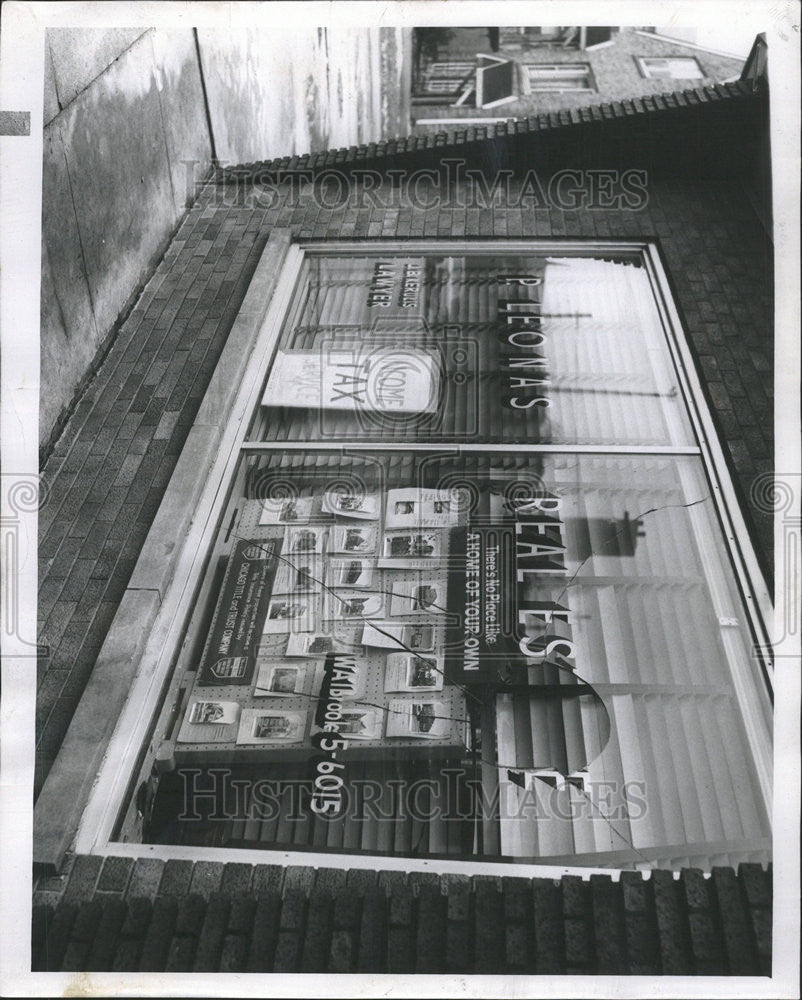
x=377, y=411
x=465, y=75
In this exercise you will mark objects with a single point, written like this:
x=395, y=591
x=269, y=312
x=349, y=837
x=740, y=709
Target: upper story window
x=561, y=78
x=677, y=68
x=448, y=77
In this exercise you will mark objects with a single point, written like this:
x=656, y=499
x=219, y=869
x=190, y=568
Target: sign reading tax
x=379, y=379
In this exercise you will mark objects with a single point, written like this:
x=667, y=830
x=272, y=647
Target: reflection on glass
x=549, y=349
x=563, y=677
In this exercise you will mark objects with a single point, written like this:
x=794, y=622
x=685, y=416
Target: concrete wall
x=123, y=108
x=127, y=137
x=281, y=92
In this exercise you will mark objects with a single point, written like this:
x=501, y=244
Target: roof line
x=548, y=122
x=690, y=45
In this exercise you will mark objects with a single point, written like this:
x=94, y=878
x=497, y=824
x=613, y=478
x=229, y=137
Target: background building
x=528, y=71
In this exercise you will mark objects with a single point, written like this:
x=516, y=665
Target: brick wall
x=126, y=915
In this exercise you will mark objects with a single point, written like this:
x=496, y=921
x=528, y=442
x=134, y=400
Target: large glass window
x=467, y=593
x=542, y=349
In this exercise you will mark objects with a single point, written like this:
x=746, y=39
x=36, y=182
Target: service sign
x=383, y=379
x=229, y=656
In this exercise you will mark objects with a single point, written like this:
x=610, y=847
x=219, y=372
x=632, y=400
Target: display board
x=325, y=628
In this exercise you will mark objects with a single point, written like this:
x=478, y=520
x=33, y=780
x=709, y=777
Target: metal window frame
x=142, y=706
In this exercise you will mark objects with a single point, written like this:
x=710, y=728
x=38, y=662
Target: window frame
x=584, y=47
x=642, y=63
x=494, y=60
x=115, y=781
x=561, y=69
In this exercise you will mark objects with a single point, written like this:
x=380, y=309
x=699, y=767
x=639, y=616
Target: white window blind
x=651, y=643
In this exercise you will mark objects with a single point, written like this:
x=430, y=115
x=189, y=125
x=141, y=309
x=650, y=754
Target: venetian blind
x=610, y=375
x=650, y=640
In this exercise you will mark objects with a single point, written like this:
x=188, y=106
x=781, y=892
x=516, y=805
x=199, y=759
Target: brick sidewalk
x=108, y=471
x=121, y=915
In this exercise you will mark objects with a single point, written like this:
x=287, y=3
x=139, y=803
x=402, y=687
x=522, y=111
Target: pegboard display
x=326, y=597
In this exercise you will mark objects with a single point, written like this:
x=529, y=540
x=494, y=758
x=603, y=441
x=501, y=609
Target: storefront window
x=490, y=656
x=542, y=349
x=468, y=595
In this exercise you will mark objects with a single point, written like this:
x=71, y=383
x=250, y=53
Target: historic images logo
x=449, y=184
x=218, y=795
